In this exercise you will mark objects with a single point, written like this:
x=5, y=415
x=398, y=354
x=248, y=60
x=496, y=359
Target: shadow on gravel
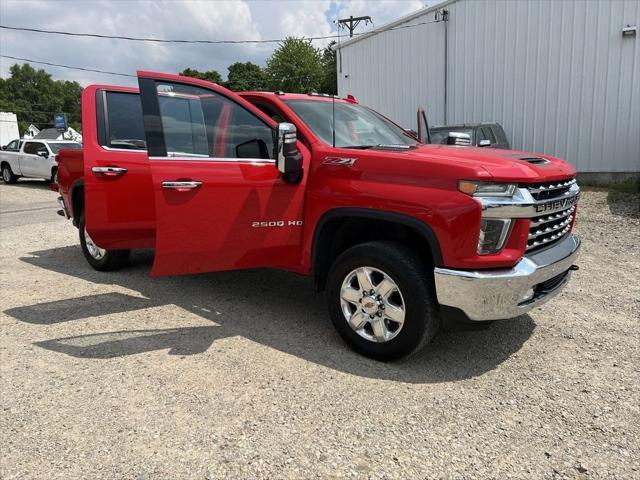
x=274, y=308
x=31, y=183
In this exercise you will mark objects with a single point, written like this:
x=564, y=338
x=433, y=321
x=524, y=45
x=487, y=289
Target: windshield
x=440, y=135
x=56, y=147
x=355, y=126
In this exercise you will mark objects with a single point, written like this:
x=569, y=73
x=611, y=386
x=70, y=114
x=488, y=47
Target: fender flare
x=422, y=228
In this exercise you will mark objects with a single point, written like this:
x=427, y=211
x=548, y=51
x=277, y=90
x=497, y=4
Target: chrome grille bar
x=552, y=238
x=549, y=218
x=552, y=186
x=559, y=226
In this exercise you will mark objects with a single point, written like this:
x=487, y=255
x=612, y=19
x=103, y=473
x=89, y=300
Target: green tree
x=35, y=97
x=295, y=66
x=246, y=76
x=210, y=75
x=329, y=82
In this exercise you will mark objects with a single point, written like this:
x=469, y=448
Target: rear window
x=124, y=127
x=440, y=135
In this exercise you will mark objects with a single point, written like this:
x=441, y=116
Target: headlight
x=482, y=189
x=493, y=234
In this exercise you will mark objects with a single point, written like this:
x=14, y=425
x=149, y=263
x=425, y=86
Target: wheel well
x=77, y=203
x=338, y=233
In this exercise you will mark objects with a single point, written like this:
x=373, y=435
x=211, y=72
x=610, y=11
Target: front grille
x=549, y=228
x=548, y=190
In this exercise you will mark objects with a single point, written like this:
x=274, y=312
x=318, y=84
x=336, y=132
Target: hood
x=500, y=165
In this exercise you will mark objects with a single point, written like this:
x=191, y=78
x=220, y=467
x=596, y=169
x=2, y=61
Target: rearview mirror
x=288, y=159
x=42, y=153
x=484, y=143
x=459, y=138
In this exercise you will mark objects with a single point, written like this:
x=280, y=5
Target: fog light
x=493, y=234
x=528, y=296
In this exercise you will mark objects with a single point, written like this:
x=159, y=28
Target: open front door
x=220, y=201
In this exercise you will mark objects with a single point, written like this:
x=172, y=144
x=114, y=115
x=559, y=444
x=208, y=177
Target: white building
x=8, y=127
x=559, y=76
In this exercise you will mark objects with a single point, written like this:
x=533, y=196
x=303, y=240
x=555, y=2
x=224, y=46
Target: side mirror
x=484, y=143
x=42, y=154
x=288, y=159
x=459, y=138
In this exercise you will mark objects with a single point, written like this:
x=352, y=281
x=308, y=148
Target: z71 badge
x=277, y=224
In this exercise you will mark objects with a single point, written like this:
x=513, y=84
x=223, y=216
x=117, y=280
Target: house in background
x=31, y=132
x=53, y=134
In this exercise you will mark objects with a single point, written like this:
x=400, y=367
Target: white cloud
x=246, y=20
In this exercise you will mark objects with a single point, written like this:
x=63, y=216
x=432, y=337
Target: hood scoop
x=534, y=160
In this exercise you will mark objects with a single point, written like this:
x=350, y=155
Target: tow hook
x=573, y=268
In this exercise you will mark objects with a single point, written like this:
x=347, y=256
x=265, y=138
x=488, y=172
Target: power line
x=208, y=42
x=67, y=66
x=157, y=40
x=93, y=70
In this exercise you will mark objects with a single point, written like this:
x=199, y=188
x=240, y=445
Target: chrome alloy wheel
x=372, y=304
x=94, y=250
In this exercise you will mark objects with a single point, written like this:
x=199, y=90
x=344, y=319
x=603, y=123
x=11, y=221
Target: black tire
x=54, y=176
x=111, y=260
x=421, y=318
x=7, y=174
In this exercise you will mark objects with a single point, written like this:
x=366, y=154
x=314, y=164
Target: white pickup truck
x=32, y=158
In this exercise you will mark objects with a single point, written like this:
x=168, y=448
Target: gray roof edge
x=395, y=23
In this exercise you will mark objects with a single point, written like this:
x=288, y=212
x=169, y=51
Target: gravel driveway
x=240, y=374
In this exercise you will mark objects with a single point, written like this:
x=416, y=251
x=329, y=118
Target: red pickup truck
x=392, y=229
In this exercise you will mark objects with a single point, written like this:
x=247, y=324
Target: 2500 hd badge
x=277, y=224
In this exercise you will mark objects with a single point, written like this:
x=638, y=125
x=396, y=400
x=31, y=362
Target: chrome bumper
x=507, y=293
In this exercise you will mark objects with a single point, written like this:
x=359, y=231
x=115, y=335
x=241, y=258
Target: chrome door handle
x=182, y=186
x=109, y=171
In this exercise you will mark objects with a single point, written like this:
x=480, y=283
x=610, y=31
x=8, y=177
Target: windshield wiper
x=382, y=145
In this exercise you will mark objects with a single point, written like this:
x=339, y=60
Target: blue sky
x=198, y=19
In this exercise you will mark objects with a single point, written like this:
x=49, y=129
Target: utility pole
x=352, y=22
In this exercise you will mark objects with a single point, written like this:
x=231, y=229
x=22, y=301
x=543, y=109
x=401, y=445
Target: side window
x=500, y=135
x=200, y=123
x=123, y=127
x=13, y=146
x=32, y=148
x=487, y=134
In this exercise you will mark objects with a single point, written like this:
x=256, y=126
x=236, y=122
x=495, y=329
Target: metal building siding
x=389, y=72
x=558, y=75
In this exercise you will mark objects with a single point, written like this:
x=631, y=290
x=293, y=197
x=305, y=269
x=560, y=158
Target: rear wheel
x=100, y=258
x=7, y=174
x=381, y=300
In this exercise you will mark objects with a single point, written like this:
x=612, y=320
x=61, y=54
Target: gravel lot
x=241, y=374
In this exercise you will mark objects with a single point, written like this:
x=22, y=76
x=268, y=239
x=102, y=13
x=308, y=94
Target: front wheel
x=7, y=174
x=100, y=258
x=381, y=300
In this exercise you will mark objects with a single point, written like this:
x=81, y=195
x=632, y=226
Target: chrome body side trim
x=254, y=161
x=507, y=293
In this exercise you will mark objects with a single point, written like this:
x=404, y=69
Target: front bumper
x=506, y=293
